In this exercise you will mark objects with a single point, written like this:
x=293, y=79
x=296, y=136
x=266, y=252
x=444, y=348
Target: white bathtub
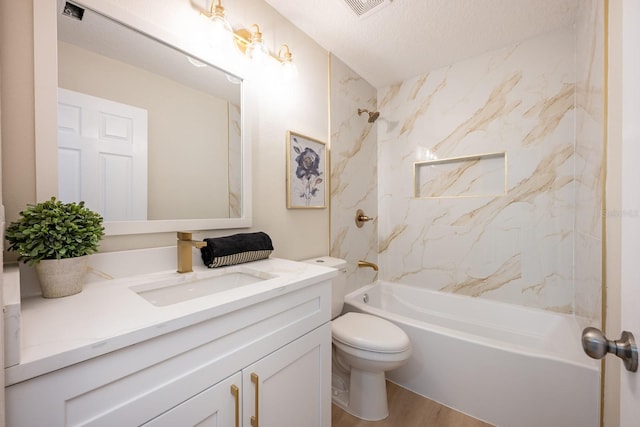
x=508, y=365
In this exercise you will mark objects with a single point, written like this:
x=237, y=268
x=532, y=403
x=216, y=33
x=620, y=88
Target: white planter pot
x=61, y=277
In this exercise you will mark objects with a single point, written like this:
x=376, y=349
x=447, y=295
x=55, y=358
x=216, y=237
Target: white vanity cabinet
x=276, y=352
x=284, y=389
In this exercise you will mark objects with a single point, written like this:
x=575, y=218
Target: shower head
x=373, y=115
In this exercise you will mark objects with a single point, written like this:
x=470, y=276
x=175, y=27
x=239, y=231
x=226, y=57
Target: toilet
x=364, y=348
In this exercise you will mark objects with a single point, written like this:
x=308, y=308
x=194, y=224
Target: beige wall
x=18, y=157
x=301, y=106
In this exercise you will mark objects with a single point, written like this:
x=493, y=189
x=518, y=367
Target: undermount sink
x=184, y=287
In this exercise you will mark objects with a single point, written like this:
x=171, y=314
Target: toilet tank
x=339, y=283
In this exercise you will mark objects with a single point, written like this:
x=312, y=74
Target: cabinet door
x=219, y=405
x=291, y=386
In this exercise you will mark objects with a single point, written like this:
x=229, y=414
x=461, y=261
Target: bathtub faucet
x=367, y=264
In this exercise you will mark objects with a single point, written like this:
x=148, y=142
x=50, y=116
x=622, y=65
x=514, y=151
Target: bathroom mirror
x=149, y=134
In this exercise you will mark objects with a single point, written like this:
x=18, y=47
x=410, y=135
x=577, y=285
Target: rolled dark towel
x=236, y=249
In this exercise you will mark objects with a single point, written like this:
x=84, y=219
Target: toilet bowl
x=368, y=346
x=364, y=348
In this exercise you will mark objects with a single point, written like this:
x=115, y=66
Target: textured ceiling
x=405, y=38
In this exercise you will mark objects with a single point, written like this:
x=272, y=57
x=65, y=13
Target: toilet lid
x=368, y=332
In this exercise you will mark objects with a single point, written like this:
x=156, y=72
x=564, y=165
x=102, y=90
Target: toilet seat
x=371, y=333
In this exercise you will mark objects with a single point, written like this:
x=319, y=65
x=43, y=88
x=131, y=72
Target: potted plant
x=55, y=237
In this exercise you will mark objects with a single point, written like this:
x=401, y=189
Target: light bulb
x=289, y=70
x=257, y=53
x=256, y=50
x=221, y=32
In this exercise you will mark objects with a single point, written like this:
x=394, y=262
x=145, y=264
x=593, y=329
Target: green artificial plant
x=55, y=230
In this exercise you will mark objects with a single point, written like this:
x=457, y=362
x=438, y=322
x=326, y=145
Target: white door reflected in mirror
x=102, y=155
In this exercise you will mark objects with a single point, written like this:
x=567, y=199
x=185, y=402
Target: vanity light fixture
x=256, y=50
x=246, y=41
x=249, y=43
x=289, y=68
x=221, y=31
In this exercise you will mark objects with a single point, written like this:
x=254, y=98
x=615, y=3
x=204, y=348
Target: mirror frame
x=45, y=101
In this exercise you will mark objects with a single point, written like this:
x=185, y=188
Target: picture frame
x=306, y=172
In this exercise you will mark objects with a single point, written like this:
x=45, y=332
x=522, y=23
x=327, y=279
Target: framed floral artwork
x=306, y=172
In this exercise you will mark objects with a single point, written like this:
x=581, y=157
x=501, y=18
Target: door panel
x=630, y=195
x=289, y=388
x=96, y=134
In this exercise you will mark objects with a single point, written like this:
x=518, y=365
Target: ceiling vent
x=364, y=8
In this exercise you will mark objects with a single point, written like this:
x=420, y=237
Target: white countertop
x=107, y=315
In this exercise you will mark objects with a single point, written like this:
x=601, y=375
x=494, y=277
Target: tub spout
x=368, y=264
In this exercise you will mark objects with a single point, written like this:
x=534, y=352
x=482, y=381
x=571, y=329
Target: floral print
x=307, y=171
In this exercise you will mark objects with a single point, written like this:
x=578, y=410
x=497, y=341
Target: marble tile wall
x=353, y=172
x=517, y=247
x=589, y=160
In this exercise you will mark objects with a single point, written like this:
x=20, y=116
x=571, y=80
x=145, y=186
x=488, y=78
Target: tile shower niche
x=469, y=176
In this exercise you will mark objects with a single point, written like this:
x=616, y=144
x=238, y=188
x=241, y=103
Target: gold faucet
x=184, y=245
x=367, y=264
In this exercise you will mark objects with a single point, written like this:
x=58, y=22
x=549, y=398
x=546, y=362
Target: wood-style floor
x=407, y=409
